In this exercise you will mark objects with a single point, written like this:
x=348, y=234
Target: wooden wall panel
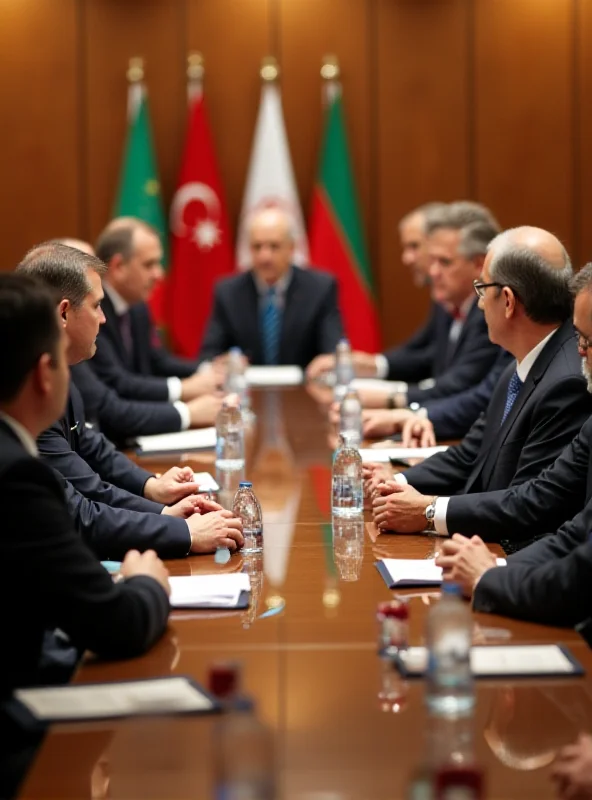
x=422, y=139
x=39, y=124
x=524, y=136
x=583, y=95
x=113, y=33
x=234, y=36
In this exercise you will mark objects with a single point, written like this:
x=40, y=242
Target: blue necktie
x=271, y=321
x=513, y=390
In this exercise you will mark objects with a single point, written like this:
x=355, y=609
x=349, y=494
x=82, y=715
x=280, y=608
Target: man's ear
x=509, y=301
x=479, y=261
x=43, y=374
x=63, y=310
x=115, y=264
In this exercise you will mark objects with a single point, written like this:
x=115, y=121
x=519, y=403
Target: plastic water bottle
x=236, y=380
x=344, y=369
x=449, y=685
x=350, y=418
x=247, y=508
x=347, y=483
x=230, y=447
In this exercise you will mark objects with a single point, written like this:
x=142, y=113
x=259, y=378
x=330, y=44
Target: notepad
x=493, y=661
x=180, y=442
x=205, y=482
x=274, y=376
x=110, y=700
x=401, y=572
x=382, y=455
x=209, y=591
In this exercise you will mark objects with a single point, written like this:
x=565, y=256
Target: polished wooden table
x=344, y=726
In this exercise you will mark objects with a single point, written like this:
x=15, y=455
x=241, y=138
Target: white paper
x=114, y=699
x=182, y=441
x=208, y=590
x=372, y=383
x=382, y=455
x=205, y=482
x=274, y=376
x=417, y=571
x=533, y=659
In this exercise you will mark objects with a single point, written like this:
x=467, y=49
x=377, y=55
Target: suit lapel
x=247, y=321
x=454, y=347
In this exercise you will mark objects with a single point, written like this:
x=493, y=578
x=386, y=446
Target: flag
x=139, y=189
x=201, y=249
x=336, y=236
x=270, y=179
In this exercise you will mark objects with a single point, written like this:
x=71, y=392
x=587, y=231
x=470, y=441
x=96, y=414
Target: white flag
x=270, y=180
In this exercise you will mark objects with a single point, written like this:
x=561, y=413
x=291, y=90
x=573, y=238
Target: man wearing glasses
x=539, y=404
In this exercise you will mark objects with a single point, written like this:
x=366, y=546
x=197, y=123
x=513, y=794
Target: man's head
x=271, y=243
x=524, y=284
x=77, y=244
x=76, y=278
x=412, y=233
x=581, y=286
x=132, y=251
x=34, y=385
x=457, y=240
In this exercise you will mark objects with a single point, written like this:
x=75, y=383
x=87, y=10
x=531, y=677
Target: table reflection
x=348, y=547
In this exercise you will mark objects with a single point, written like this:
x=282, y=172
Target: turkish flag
x=201, y=250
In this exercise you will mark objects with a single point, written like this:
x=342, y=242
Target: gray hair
x=62, y=268
x=582, y=280
x=117, y=239
x=543, y=289
x=476, y=224
x=426, y=211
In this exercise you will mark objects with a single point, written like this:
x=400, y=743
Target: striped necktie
x=513, y=390
x=271, y=322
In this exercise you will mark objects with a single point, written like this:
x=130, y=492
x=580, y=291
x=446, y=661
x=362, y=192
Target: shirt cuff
x=175, y=390
x=400, y=478
x=183, y=410
x=382, y=366
x=440, y=515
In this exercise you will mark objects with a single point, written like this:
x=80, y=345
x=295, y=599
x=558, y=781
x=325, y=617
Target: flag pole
x=330, y=73
x=135, y=77
x=195, y=76
x=270, y=70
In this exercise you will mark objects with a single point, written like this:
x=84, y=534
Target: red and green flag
x=336, y=236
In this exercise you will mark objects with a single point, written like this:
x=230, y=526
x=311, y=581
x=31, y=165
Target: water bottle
x=350, y=418
x=344, y=369
x=347, y=483
x=449, y=684
x=247, y=508
x=230, y=448
x=236, y=380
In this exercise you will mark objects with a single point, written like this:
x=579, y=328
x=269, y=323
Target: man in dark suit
x=276, y=313
x=540, y=402
x=115, y=503
x=130, y=358
x=57, y=579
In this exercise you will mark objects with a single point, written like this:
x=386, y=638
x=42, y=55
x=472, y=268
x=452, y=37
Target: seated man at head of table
x=116, y=504
x=541, y=400
x=51, y=578
x=275, y=312
x=129, y=356
x=452, y=352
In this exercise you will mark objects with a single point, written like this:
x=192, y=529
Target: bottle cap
x=451, y=588
x=236, y=350
x=396, y=609
x=246, y=484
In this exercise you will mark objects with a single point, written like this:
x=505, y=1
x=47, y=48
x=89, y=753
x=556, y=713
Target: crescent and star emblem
x=206, y=232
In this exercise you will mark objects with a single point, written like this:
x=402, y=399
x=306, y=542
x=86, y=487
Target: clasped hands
x=395, y=506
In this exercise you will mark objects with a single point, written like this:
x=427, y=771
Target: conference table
x=345, y=725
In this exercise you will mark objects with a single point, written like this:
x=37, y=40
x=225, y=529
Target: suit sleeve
x=542, y=503
x=447, y=473
x=217, y=338
x=113, y=620
x=549, y=582
x=331, y=325
x=112, y=465
x=162, y=362
x=108, y=367
x=120, y=418
x=413, y=360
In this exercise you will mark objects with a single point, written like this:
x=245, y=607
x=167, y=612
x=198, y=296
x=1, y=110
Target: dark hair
x=543, y=290
x=63, y=268
x=118, y=238
x=28, y=329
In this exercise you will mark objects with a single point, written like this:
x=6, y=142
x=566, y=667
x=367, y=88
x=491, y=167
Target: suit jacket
x=453, y=416
x=552, y=405
x=104, y=489
x=311, y=322
x=59, y=582
x=121, y=419
x=141, y=376
x=454, y=366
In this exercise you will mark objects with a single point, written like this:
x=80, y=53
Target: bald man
x=540, y=403
x=276, y=312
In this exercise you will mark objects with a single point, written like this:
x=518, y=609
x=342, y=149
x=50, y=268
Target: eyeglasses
x=480, y=287
x=583, y=342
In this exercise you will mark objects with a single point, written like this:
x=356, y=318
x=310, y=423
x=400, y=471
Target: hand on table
x=203, y=410
x=375, y=474
x=185, y=508
x=171, y=487
x=399, y=507
x=377, y=422
x=319, y=365
x=418, y=432
x=464, y=561
x=572, y=770
x=215, y=529
x=147, y=563
x=205, y=382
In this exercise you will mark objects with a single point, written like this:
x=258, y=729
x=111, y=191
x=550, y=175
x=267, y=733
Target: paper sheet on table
x=505, y=660
x=182, y=441
x=108, y=700
x=274, y=376
x=205, y=482
x=372, y=383
x=383, y=455
x=402, y=572
x=203, y=591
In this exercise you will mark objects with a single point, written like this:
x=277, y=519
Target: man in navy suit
x=115, y=503
x=539, y=404
x=276, y=313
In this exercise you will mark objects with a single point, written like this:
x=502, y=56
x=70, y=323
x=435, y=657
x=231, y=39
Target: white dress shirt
x=522, y=368
x=22, y=434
